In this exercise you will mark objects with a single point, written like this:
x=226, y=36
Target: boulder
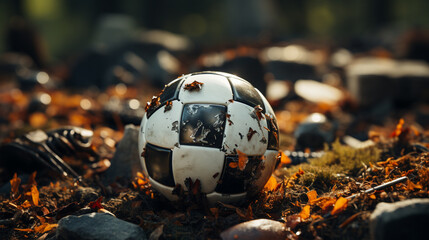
x=406, y=219
x=97, y=226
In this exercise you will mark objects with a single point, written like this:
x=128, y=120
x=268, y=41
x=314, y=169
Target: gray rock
x=97, y=226
x=86, y=194
x=126, y=161
x=408, y=219
x=256, y=229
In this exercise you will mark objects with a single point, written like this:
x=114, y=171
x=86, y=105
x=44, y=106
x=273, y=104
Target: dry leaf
x=233, y=165
x=271, y=184
x=35, y=195
x=45, y=227
x=26, y=204
x=340, y=205
x=413, y=186
x=242, y=160
x=250, y=134
x=312, y=196
x=96, y=205
x=305, y=212
x=14, y=183
x=195, y=85
x=285, y=160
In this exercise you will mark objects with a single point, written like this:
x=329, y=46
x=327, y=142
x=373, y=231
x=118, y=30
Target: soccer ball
x=213, y=127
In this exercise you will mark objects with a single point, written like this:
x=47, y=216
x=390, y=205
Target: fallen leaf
x=26, y=204
x=14, y=183
x=271, y=184
x=250, y=134
x=328, y=204
x=412, y=186
x=35, y=195
x=305, y=212
x=242, y=160
x=258, y=112
x=24, y=229
x=233, y=165
x=168, y=106
x=95, y=205
x=45, y=227
x=340, y=205
x=195, y=85
x=312, y=196
x=285, y=160
x=398, y=129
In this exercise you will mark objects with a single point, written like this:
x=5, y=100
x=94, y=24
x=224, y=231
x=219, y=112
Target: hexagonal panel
x=244, y=92
x=169, y=93
x=234, y=180
x=202, y=125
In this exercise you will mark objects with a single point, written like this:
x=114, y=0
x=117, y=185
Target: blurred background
x=359, y=63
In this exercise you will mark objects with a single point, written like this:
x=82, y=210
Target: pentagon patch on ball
x=213, y=127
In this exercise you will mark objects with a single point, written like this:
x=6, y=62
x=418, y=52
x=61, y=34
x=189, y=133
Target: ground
x=314, y=200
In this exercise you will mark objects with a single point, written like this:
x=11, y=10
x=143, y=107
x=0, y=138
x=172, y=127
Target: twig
x=379, y=187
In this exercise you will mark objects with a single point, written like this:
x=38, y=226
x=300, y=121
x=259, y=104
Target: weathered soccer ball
x=213, y=127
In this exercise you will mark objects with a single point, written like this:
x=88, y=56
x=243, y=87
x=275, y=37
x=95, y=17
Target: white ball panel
x=164, y=190
x=215, y=89
x=215, y=197
x=236, y=132
x=162, y=128
x=201, y=163
x=269, y=165
x=142, y=143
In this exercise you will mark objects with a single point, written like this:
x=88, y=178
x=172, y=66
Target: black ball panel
x=159, y=164
x=244, y=92
x=273, y=134
x=202, y=125
x=170, y=93
x=234, y=180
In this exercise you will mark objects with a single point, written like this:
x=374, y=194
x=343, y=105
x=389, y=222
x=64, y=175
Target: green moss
x=320, y=173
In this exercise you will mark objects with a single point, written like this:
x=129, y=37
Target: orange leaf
x=305, y=212
x=14, y=183
x=45, y=227
x=35, y=195
x=195, y=85
x=312, y=196
x=140, y=175
x=285, y=160
x=24, y=229
x=412, y=186
x=242, y=160
x=233, y=165
x=271, y=184
x=372, y=196
x=340, y=205
x=26, y=204
x=398, y=129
